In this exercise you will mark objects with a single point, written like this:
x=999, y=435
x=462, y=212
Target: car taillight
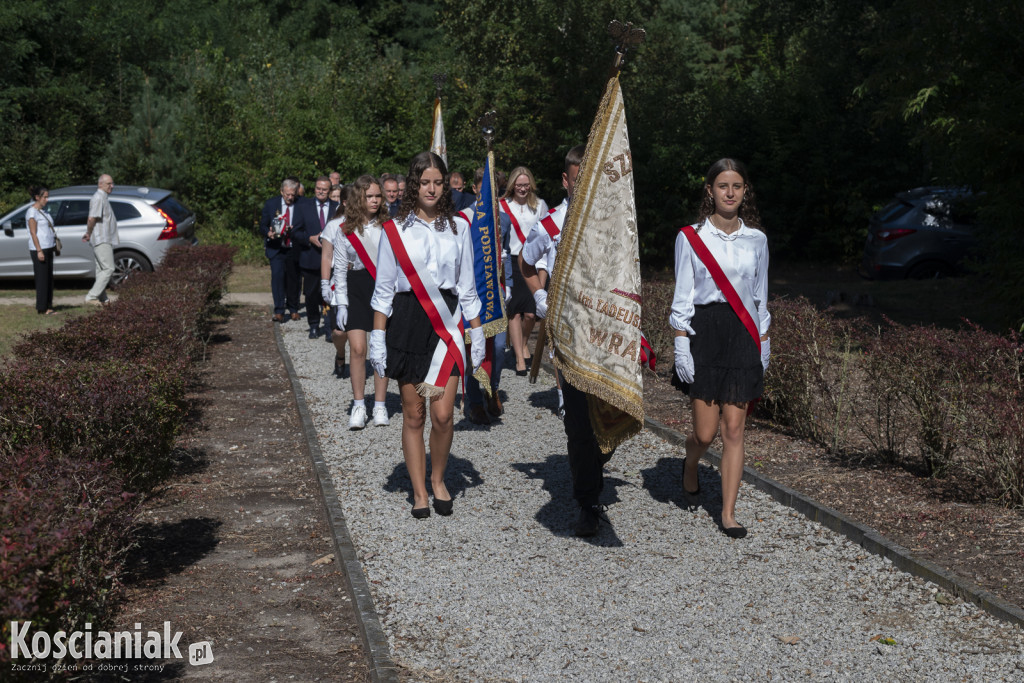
x=170, y=230
x=894, y=234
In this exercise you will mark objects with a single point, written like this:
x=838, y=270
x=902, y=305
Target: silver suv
x=149, y=222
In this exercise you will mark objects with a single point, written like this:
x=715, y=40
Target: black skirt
x=411, y=339
x=360, y=291
x=522, y=299
x=727, y=365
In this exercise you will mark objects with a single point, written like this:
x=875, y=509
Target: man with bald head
x=101, y=232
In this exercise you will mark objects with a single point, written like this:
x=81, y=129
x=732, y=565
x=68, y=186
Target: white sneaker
x=357, y=419
x=380, y=416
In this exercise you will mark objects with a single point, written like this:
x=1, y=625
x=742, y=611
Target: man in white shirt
x=101, y=232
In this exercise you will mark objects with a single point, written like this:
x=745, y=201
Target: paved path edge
x=864, y=536
x=382, y=667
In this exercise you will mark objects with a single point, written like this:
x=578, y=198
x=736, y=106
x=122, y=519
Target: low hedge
x=89, y=414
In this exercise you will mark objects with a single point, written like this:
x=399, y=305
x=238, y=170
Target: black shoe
x=522, y=373
x=339, y=368
x=314, y=332
x=735, y=531
x=692, y=498
x=421, y=513
x=588, y=521
x=443, y=507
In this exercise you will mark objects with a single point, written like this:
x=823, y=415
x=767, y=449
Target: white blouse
x=448, y=259
x=540, y=250
x=527, y=218
x=346, y=258
x=743, y=253
x=44, y=229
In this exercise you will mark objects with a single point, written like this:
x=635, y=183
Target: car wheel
x=126, y=264
x=930, y=270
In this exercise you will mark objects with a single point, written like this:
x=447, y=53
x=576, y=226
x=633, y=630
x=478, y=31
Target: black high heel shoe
x=692, y=498
x=421, y=513
x=735, y=531
x=443, y=507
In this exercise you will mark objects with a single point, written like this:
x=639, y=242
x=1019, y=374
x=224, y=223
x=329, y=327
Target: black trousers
x=292, y=279
x=311, y=290
x=43, y=273
x=585, y=460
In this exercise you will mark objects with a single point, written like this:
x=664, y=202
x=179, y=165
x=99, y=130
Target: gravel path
x=502, y=591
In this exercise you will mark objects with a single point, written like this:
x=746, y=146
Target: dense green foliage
x=836, y=105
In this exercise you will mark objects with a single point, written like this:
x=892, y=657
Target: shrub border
x=382, y=667
x=864, y=536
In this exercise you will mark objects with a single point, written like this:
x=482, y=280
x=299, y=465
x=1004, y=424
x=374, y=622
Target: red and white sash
x=368, y=258
x=549, y=224
x=514, y=220
x=451, y=350
x=725, y=285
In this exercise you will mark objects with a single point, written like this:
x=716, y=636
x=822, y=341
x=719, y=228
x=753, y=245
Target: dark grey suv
x=923, y=233
x=149, y=222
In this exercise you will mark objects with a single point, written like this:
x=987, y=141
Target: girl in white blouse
x=42, y=240
x=405, y=344
x=717, y=360
x=525, y=209
x=351, y=287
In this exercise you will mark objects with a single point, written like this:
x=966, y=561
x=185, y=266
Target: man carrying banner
x=592, y=311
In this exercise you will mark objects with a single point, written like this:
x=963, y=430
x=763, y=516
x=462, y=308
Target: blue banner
x=486, y=238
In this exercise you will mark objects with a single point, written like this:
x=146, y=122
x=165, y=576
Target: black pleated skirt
x=727, y=364
x=522, y=299
x=411, y=339
x=360, y=291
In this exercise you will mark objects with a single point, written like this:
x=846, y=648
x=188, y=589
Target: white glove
x=766, y=352
x=325, y=291
x=477, y=348
x=540, y=298
x=378, y=352
x=342, y=316
x=508, y=293
x=684, y=360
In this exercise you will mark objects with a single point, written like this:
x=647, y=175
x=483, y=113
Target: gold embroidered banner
x=594, y=308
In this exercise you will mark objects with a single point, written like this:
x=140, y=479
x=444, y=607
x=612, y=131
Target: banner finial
x=626, y=36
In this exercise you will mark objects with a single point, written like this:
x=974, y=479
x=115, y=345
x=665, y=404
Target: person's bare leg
x=414, y=416
x=705, y=426
x=734, y=421
x=442, y=429
x=528, y=320
x=357, y=363
x=515, y=334
x=380, y=388
x=339, y=339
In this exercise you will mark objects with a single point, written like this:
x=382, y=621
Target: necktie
x=323, y=219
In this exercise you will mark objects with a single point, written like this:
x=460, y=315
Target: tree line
x=834, y=104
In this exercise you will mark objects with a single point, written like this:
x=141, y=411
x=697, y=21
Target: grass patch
x=18, y=319
x=249, y=278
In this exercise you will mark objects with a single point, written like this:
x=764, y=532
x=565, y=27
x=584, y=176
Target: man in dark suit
x=393, y=199
x=311, y=217
x=276, y=224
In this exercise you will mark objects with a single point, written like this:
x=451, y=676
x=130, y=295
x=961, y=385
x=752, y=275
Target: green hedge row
x=89, y=414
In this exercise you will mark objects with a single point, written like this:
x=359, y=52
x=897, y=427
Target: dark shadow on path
x=559, y=514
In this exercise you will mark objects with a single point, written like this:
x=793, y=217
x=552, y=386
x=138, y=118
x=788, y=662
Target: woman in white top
x=718, y=362
x=416, y=339
x=328, y=236
x=351, y=288
x=525, y=209
x=42, y=241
